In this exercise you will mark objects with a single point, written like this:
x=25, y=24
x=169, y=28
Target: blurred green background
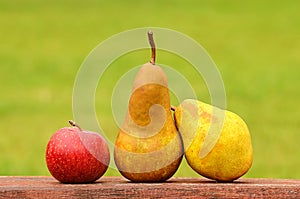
x=255, y=44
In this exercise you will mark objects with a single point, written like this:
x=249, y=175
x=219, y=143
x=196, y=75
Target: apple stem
x=74, y=124
x=173, y=108
x=152, y=44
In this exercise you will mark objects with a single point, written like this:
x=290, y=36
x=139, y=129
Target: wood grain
x=117, y=187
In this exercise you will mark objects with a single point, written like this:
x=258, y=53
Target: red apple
x=76, y=156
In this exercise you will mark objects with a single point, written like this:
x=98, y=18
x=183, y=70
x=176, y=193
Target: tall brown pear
x=148, y=147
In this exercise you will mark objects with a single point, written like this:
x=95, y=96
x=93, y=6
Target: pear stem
x=74, y=124
x=153, y=49
x=173, y=108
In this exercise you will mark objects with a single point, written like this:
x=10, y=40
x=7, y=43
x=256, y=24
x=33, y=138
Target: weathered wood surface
x=117, y=187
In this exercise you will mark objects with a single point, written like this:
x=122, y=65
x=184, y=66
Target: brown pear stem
x=173, y=108
x=74, y=124
x=153, y=49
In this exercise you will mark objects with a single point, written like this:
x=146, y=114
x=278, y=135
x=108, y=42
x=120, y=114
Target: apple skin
x=75, y=156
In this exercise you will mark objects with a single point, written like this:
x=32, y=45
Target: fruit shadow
x=170, y=181
x=175, y=181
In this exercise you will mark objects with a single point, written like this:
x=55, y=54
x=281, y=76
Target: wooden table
x=117, y=187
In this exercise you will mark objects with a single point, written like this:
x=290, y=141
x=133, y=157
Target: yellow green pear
x=148, y=147
x=217, y=142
